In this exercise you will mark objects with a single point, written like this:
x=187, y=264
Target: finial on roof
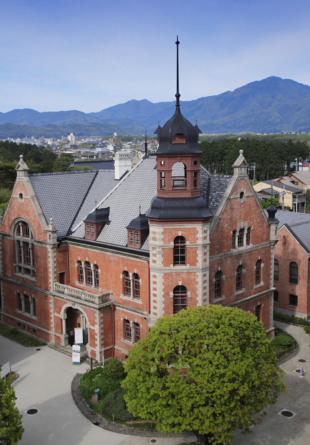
x=96, y=203
x=177, y=93
x=241, y=152
x=139, y=210
x=51, y=220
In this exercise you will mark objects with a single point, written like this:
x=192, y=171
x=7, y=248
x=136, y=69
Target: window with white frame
x=24, y=246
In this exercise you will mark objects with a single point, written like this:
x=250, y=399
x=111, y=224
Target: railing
x=82, y=294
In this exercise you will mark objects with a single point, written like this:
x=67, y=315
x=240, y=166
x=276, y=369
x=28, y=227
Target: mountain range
x=268, y=105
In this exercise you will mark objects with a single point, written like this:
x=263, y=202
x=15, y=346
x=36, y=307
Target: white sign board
x=5, y=369
x=76, y=354
x=78, y=336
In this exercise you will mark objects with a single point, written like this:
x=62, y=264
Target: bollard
x=301, y=372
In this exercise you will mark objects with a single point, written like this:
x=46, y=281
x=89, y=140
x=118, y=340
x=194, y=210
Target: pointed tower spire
x=177, y=93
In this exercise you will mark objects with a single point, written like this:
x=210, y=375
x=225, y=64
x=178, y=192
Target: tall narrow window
x=27, y=304
x=233, y=239
x=136, y=286
x=276, y=296
x=87, y=228
x=137, y=238
x=96, y=276
x=239, y=278
x=127, y=330
x=179, y=251
x=137, y=332
x=34, y=306
x=89, y=274
x=80, y=272
x=248, y=236
x=179, y=299
x=293, y=300
x=240, y=237
x=258, y=312
x=19, y=302
x=276, y=270
x=258, y=271
x=92, y=231
x=293, y=273
x=217, y=284
x=130, y=237
x=24, y=249
x=127, y=283
x=284, y=240
x=195, y=176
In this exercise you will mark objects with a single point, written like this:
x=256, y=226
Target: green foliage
x=290, y=319
x=208, y=370
x=62, y=164
x=20, y=337
x=307, y=329
x=114, y=368
x=5, y=195
x=98, y=379
x=82, y=169
x=308, y=196
x=11, y=428
x=272, y=158
x=114, y=404
x=282, y=340
x=268, y=202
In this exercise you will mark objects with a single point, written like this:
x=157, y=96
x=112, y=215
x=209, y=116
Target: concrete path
x=45, y=383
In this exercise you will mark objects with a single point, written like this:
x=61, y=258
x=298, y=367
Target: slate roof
x=138, y=188
x=61, y=195
x=298, y=224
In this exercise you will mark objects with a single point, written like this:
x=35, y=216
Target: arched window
x=179, y=299
x=276, y=270
x=24, y=249
x=88, y=273
x=178, y=174
x=248, y=236
x=136, y=285
x=179, y=251
x=217, y=284
x=137, y=332
x=96, y=276
x=80, y=272
x=19, y=302
x=258, y=272
x=127, y=283
x=233, y=239
x=239, y=278
x=258, y=312
x=293, y=273
x=284, y=240
x=127, y=330
x=240, y=237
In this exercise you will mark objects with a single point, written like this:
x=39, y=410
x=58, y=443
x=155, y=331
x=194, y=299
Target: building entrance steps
x=67, y=350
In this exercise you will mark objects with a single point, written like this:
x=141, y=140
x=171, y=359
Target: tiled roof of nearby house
x=138, y=188
x=61, y=195
x=303, y=177
x=298, y=224
x=289, y=187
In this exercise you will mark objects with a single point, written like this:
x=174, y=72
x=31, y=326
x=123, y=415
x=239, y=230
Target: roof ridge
x=62, y=173
x=113, y=189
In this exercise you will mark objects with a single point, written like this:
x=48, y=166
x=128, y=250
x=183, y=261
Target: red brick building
x=291, y=269
x=83, y=249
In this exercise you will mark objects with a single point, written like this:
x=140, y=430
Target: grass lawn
x=283, y=343
x=20, y=337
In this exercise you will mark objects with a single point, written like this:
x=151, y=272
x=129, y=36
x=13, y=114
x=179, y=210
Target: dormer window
x=179, y=139
x=137, y=231
x=95, y=222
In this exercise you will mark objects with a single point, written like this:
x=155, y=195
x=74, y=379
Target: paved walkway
x=45, y=383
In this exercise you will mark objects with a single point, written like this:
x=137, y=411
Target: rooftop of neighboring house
x=304, y=177
x=288, y=185
x=298, y=224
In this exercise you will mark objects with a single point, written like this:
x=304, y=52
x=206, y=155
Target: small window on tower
x=162, y=174
x=162, y=162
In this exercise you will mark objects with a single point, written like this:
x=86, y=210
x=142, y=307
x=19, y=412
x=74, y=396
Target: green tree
x=268, y=202
x=208, y=370
x=62, y=164
x=11, y=428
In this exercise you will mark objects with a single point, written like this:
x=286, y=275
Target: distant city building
x=71, y=138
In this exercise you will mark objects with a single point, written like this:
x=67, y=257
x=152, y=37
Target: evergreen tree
x=11, y=428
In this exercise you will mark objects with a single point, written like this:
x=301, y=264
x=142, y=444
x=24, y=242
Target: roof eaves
x=296, y=237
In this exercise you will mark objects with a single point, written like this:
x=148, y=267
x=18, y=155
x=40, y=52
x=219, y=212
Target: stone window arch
x=126, y=283
x=178, y=175
x=24, y=248
x=136, y=285
x=80, y=272
x=179, y=299
x=88, y=273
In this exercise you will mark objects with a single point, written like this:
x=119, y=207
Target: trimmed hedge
x=290, y=319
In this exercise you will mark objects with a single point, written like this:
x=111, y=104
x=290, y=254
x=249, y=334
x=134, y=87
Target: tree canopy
x=272, y=158
x=11, y=428
x=208, y=370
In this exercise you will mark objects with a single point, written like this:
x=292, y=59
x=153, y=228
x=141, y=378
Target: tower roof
x=178, y=136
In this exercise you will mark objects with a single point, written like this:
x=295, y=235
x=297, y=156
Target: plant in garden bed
x=282, y=343
x=290, y=319
x=13, y=333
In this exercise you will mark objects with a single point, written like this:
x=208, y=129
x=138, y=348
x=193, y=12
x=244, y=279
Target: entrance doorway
x=75, y=319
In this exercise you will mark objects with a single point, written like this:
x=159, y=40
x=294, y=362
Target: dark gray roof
x=96, y=165
x=139, y=223
x=270, y=191
x=298, y=224
x=98, y=216
x=178, y=125
x=61, y=195
x=289, y=188
x=138, y=188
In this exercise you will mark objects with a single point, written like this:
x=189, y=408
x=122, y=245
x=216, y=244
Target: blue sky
x=89, y=55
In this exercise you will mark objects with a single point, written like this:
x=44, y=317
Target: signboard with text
x=76, y=354
x=78, y=336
